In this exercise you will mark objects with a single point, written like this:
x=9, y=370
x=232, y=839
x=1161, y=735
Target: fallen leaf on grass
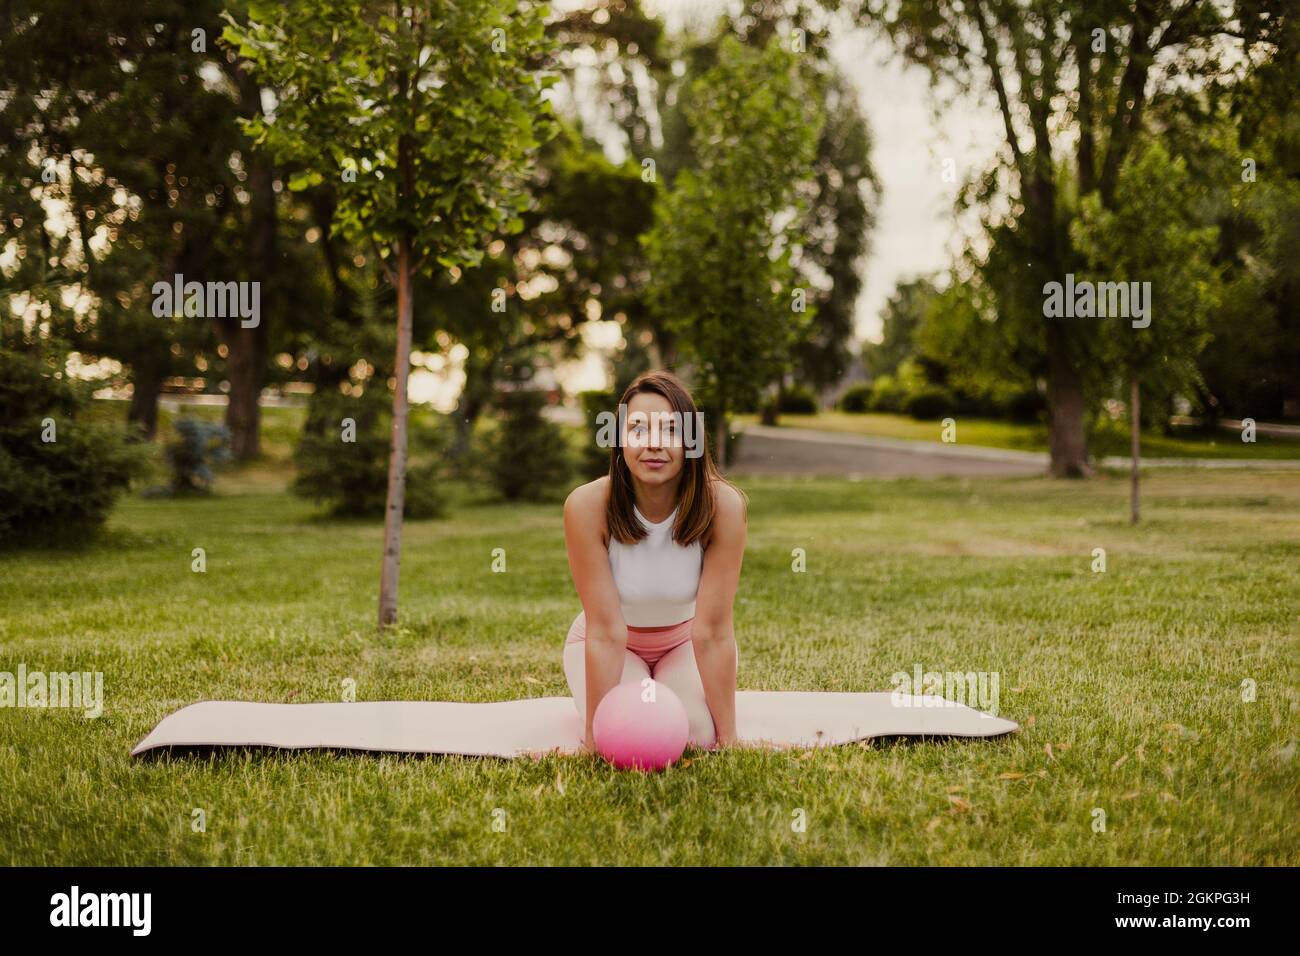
x=1119, y=763
x=1047, y=749
x=933, y=824
x=959, y=805
x=955, y=788
x=1011, y=776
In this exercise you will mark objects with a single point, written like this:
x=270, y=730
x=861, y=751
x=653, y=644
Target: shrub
x=886, y=395
x=856, y=398
x=526, y=456
x=930, y=401
x=200, y=445
x=59, y=473
x=798, y=400
x=342, y=458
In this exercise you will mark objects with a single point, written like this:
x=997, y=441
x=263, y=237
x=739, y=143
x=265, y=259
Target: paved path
x=766, y=450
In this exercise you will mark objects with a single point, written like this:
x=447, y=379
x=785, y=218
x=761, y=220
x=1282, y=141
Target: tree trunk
x=1135, y=427
x=245, y=370
x=246, y=355
x=397, y=459
x=143, y=411
x=1066, y=436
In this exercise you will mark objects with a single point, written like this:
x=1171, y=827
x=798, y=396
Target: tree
x=106, y=139
x=1081, y=67
x=722, y=277
x=1148, y=244
x=841, y=190
x=902, y=316
x=426, y=115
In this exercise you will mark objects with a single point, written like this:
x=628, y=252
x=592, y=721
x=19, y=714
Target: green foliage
x=425, y=115
x=903, y=314
x=930, y=401
x=198, y=447
x=60, y=473
x=856, y=398
x=1150, y=235
x=797, y=400
x=889, y=393
x=342, y=458
x=526, y=457
x=721, y=265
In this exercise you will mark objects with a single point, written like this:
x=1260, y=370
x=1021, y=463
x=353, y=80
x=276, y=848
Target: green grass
x=1110, y=439
x=1126, y=683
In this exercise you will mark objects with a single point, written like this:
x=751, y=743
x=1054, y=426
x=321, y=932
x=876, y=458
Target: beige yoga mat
x=539, y=725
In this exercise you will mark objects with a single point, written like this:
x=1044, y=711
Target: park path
x=767, y=450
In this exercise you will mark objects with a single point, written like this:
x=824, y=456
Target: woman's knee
x=678, y=671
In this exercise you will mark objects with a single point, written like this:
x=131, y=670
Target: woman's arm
x=712, y=633
x=584, y=538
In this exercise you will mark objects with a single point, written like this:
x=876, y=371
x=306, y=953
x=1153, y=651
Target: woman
x=655, y=548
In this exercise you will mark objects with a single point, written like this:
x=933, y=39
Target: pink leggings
x=667, y=655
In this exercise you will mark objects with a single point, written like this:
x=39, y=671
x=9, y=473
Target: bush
x=797, y=400
x=342, y=458
x=59, y=473
x=856, y=398
x=930, y=401
x=200, y=446
x=526, y=455
x=886, y=395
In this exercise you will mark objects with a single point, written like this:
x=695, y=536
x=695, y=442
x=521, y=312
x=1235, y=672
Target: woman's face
x=652, y=439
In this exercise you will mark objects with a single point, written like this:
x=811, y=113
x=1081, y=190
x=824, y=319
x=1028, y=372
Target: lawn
x=1112, y=438
x=1127, y=683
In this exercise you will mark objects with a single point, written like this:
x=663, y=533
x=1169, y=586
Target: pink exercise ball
x=632, y=732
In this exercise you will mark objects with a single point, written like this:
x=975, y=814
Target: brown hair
x=695, y=504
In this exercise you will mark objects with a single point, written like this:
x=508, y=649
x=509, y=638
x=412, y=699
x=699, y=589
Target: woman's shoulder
x=730, y=509
x=728, y=500
x=587, y=502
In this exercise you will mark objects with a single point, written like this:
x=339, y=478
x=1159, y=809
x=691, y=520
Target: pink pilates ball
x=633, y=732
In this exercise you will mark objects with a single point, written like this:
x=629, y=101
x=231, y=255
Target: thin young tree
x=1149, y=241
x=720, y=253
x=427, y=115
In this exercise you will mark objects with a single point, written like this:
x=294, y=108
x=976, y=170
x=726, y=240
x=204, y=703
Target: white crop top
x=657, y=578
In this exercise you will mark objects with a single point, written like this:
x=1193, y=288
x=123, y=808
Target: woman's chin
x=660, y=476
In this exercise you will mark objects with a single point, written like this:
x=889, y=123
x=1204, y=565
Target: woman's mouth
x=654, y=464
